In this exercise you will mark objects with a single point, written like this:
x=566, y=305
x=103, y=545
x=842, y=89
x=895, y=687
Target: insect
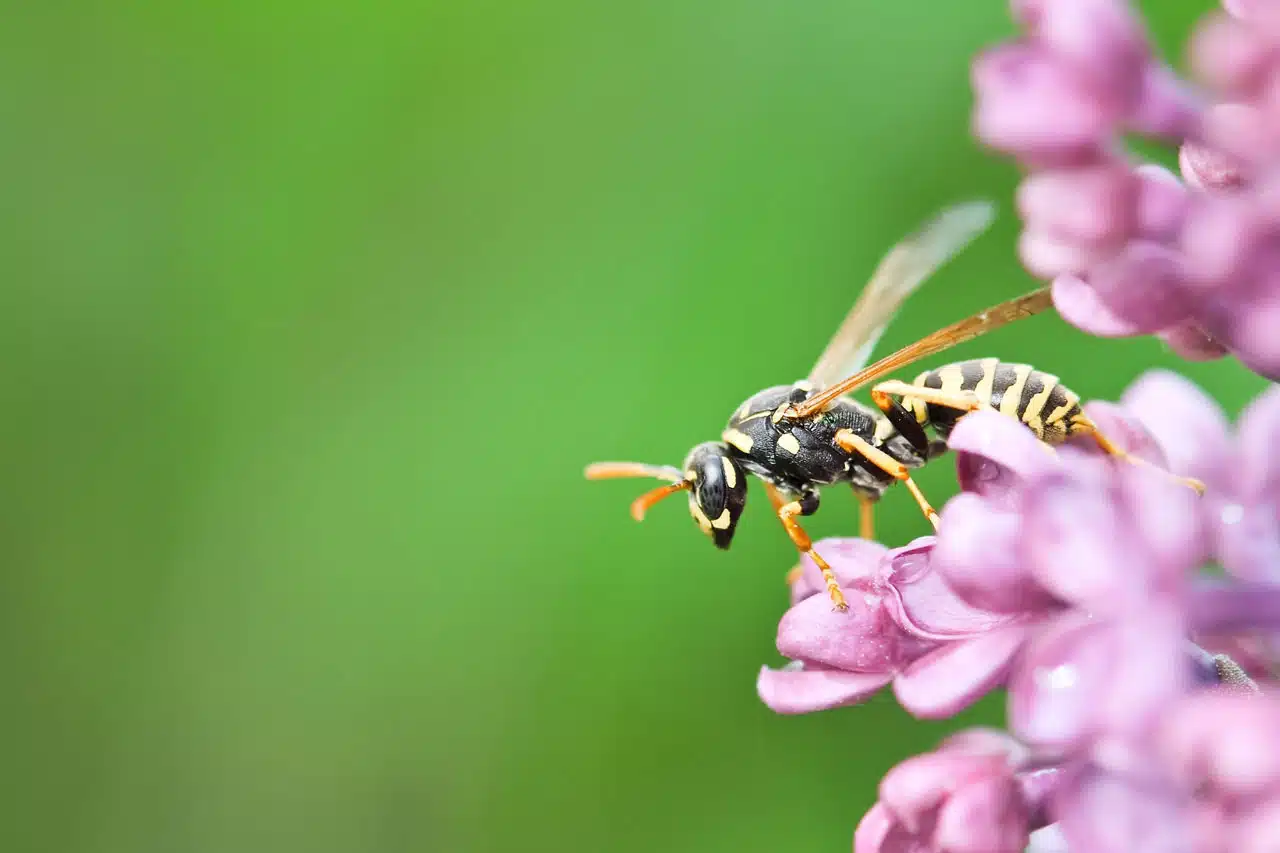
x=800, y=437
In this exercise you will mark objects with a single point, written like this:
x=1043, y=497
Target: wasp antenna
x=614, y=470
x=641, y=504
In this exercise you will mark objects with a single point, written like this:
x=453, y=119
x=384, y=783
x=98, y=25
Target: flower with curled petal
x=903, y=626
x=979, y=792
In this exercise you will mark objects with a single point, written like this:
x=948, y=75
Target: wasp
x=800, y=437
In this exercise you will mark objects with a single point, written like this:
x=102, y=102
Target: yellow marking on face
x=1061, y=412
x=722, y=523
x=987, y=383
x=789, y=443
x=691, y=475
x=700, y=517
x=777, y=413
x=751, y=417
x=1031, y=415
x=1009, y=404
x=952, y=378
x=738, y=439
x=730, y=473
x=743, y=409
x=884, y=429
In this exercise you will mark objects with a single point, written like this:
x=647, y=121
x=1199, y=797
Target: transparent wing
x=901, y=271
x=967, y=329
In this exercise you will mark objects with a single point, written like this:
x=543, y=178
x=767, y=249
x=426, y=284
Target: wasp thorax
x=718, y=490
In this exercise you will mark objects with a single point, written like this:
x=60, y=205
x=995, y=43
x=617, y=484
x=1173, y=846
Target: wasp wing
x=906, y=266
x=957, y=333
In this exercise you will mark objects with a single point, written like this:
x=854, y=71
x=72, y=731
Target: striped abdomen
x=1036, y=398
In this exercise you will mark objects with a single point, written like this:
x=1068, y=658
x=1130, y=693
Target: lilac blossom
x=903, y=627
x=1073, y=579
x=1131, y=249
x=978, y=793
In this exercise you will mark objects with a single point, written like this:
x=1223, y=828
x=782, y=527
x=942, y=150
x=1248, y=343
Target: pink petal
x=1032, y=103
x=862, y=639
x=1079, y=305
x=1167, y=107
x=1101, y=38
x=1192, y=343
x=1095, y=205
x=979, y=555
x=801, y=691
x=1007, y=443
x=1110, y=814
x=917, y=786
x=1185, y=421
x=1259, y=442
x=1258, y=830
x=878, y=832
x=1146, y=671
x=854, y=561
x=1253, y=333
x=1167, y=518
x=1220, y=242
x=1230, y=56
x=1144, y=284
x=1210, y=170
x=1126, y=431
x=1231, y=738
x=1074, y=541
x=1162, y=202
x=955, y=676
x=980, y=740
x=925, y=607
x=1054, y=691
x=987, y=816
x=1047, y=256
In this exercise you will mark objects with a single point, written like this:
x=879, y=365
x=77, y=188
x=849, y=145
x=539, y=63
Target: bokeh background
x=312, y=315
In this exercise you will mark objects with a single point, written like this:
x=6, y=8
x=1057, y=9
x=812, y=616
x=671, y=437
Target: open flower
x=1242, y=471
x=903, y=626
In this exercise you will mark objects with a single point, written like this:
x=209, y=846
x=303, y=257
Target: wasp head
x=717, y=490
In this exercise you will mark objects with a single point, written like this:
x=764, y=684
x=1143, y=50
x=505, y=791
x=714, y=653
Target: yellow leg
x=963, y=401
x=787, y=513
x=866, y=516
x=1082, y=425
x=851, y=442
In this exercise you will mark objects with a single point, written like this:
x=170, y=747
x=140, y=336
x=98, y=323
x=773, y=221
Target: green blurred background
x=312, y=314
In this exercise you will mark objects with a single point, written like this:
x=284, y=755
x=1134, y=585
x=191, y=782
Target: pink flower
x=903, y=626
x=978, y=793
x=1241, y=471
x=1132, y=250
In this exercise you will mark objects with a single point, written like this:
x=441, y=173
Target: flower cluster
x=1130, y=248
x=1073, y=579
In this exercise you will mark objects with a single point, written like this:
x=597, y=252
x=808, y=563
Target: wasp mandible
x=809, y=434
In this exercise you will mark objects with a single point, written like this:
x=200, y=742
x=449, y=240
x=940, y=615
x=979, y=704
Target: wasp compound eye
x=718, y=491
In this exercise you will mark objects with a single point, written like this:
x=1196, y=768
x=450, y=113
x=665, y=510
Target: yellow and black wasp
x=799, y=437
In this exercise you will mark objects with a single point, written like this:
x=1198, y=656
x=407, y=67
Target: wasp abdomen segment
x=1037, y=399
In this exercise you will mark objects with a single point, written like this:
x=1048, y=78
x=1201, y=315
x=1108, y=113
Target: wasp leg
x=1082, y=425
x=850, y=442
x=775, y=498
x=787, y=512
x=964, y=401
x=866, y=515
